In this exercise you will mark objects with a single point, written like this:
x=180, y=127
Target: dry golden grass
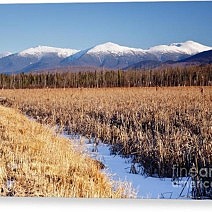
x=157, y=127
x=36, y=162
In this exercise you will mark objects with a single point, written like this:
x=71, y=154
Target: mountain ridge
x=4, y=54
x=202, y=57
x=106, y=55
x=42, y=50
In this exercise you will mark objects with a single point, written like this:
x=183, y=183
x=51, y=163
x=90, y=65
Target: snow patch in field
x=118, y=169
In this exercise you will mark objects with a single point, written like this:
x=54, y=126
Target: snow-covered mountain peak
x=5, y=54
x=188, y=47
x=112, y=48
x=189, y=42
x=192, y=47
x=40, y=51
x=107, y=45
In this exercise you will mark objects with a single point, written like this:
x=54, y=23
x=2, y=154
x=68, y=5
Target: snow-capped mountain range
x=107, y=55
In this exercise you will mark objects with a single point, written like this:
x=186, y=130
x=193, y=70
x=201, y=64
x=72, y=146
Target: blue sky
x=81, y=26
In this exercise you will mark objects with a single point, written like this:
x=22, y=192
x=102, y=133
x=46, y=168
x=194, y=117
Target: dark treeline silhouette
x=167, y=76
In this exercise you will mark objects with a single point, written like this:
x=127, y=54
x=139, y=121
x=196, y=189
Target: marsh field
x=157, y=128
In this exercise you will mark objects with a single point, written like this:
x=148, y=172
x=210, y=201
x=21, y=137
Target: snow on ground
x=118, y=168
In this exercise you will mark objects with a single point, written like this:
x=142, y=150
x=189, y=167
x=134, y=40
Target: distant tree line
x=167, y=76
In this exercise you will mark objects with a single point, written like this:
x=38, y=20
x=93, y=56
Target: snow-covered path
x=118, y=168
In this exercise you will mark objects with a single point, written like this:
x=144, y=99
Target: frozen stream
x=118, y=168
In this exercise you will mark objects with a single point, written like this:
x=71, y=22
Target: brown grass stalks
x=158, y=128
x=36, y=162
